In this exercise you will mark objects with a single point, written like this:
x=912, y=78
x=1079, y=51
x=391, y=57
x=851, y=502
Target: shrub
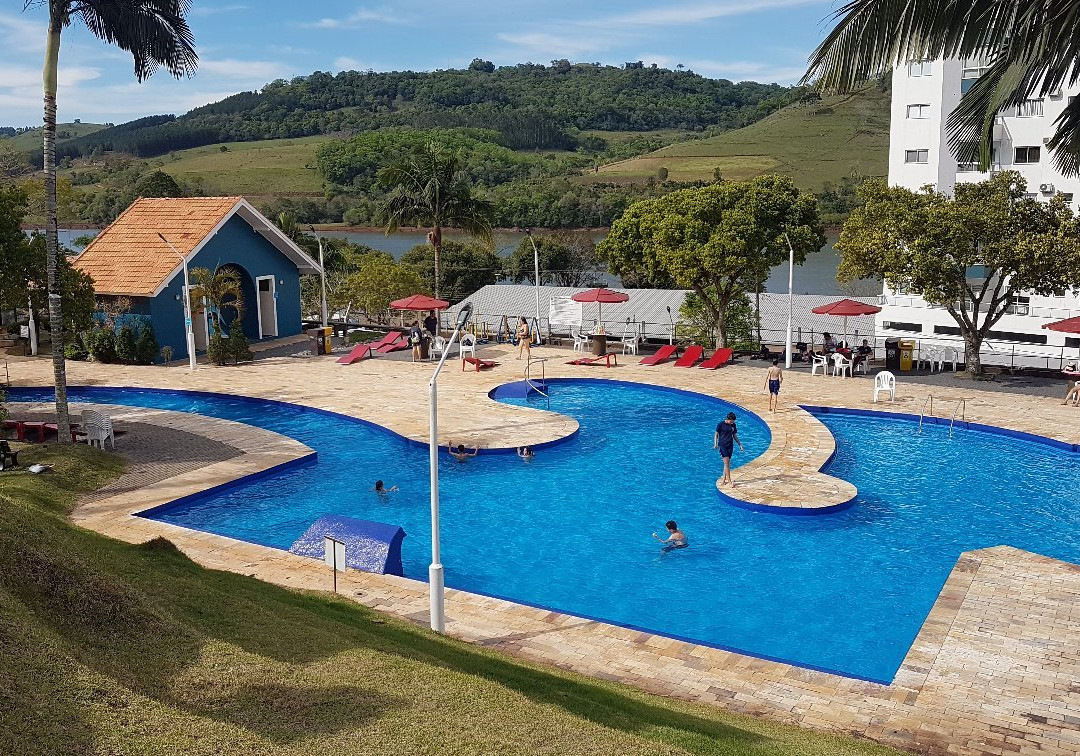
x=74, y=350
x=147, y=347
x=102, y=345
x=238, y=343
x=218, y=349
x=127, y=350
x=167, y=354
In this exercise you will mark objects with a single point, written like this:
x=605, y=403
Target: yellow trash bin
x=327, y=346
x=907, y=353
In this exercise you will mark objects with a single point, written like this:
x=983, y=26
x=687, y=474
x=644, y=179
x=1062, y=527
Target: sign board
x=187, y=322
x=24, y=332
x=564, y=311
x=335, y=554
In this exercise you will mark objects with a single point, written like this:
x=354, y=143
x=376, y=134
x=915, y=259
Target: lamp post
x=435, y=570
x=187, y=306
x=536, y=271
x=31, y=328
x=790, y=286
x=322, y=275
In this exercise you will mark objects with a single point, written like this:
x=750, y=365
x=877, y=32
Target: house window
x=1027, y=155
x=918, y=111
x=1020, y=305
x=972, y=69
x=918, y=68
x=1066, y=197
x=1029, y=109
x=916, y=156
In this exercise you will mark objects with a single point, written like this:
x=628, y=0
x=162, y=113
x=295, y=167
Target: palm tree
x=156, y=34
x=429, y=188
x=219, y=289
x=1033, y=48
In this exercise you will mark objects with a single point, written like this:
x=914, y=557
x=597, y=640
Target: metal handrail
x=961, y=406
x=543, y=377
x=922, y=412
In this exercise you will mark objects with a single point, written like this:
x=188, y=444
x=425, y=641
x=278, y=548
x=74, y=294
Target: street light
x=322, y=275
x=435, y=570
x=790, y=286
x=187, y=306
x=536, y=270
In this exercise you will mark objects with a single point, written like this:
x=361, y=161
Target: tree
x=1031, y=47
x=970, y=253
x=718, y=239
x=156, y=34
x=158, y=184
x=379, y=282
x=479, y=64
x=467, y=267
x=221, y=290
x=429, y=188
x=567, y=258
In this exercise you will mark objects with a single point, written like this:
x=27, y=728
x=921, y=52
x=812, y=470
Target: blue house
x=142, y=254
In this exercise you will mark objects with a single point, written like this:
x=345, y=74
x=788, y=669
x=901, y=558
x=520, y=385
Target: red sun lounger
x=394, y=341
x=479, y=363
x=719, y=358
x=359, y=352
x=690, y=356
x=607, y=358
x=663, y=354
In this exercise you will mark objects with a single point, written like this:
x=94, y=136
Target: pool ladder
x=543, y=378
x=961, y=407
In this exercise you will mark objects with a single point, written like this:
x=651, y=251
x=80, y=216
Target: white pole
x=187, y=307
x=790, y=298
x=32, y=328
x=322, y=275
x=536, y=272
x=435, y=570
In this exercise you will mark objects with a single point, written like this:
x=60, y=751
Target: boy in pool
x=773, y=380
x=459, y=452
x=526, y=453
x=725, y=438
x=676, y=539
x=382, y=490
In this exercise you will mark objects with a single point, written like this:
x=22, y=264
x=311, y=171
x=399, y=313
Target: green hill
x=254, y=169
x=30, y=140
x=110, y=647
x=813, y=142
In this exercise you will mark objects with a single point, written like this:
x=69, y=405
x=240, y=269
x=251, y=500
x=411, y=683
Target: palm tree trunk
x=435, y=240
x=52, y=241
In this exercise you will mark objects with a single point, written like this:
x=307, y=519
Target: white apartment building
x=923, y=95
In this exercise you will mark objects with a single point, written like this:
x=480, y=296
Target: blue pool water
x=845, y=592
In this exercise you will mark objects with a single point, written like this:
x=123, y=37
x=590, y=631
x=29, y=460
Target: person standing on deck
x=725, y=438
x=773, y=379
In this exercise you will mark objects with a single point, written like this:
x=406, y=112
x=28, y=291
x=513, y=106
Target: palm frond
x=1065, y=143
x=155, y=32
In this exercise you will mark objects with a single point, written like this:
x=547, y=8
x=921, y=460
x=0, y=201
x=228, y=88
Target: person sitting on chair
x=862, y=353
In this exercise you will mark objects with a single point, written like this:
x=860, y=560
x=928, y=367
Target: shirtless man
x=676, y=539
x=459, y=452
x=773, y=380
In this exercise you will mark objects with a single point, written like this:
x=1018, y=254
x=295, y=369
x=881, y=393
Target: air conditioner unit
x=1056, y=94
x=1046, y=188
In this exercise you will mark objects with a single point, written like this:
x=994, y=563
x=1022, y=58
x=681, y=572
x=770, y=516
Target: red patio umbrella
x=846, y=308
x=601, y=296
x=419, y=302
x=1069, y=325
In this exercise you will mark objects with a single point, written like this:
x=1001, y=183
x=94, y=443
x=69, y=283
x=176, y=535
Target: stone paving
x=994, y=669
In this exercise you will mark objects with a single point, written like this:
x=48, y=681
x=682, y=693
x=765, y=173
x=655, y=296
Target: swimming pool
x=845, y=592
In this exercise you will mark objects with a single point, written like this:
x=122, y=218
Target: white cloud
x=736, y=70
x=546, y=45
x=213, y=10
x=20, y=34
x=230, y=68
x=679, y=15
x=359, y=17
x=345, y=63
x=18, y=77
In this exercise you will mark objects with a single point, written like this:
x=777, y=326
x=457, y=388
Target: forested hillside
x=528, y=105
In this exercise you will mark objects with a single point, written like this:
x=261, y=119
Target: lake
x=816, y=276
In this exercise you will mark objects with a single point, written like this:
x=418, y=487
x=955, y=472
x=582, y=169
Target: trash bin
x=318, y=345
x=598, y=342
x=892, y=355
x=907, y=353
x=327, y=340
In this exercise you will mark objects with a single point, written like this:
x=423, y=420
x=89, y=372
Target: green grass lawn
x=110, y=648
x=274, y=166
x=29, y=141
x=814, y=143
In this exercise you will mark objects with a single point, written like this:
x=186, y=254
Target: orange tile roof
x=129, y=258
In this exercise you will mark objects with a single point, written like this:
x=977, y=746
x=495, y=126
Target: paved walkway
x=992, y=671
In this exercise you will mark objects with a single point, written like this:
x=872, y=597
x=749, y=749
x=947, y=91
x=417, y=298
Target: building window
x=917, y=156
x=972, y=69
x=918, y=111
x=1027, y=155
x=1066, y=197
x=1029, y=109
x=1020, y=305
x=893, y=325
x=918, y=68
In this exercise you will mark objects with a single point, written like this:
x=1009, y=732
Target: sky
x=245, y=44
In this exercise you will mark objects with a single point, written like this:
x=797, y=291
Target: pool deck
x=994, y=669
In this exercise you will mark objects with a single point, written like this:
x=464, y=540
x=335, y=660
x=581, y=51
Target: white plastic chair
x=98, y=429
x=941, y=356
x=438, y=345
x=820, y=361
x=630, y=341
x=840, y=364
x=885, y=383
x=467, y=344
x=863, y=365
x=581, y=339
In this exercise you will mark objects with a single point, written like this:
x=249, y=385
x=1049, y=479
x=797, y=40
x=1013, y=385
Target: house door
x=267, y=293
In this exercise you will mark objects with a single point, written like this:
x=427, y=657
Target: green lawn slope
x=113, y=648
x=269, y=167
x=814, y=143
x=29, y=141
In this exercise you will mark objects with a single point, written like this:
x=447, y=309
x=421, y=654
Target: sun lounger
x=691, y=355
x=479, y=363
x=367, y=348
x=359, y=352
x=663, y=354
x=595, y=359
x=393, y=346
x=718, y=359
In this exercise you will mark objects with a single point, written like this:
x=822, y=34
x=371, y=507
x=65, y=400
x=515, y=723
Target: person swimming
x=381, y=489
x=676, y=538
x=526, y=453
x=459, y=452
